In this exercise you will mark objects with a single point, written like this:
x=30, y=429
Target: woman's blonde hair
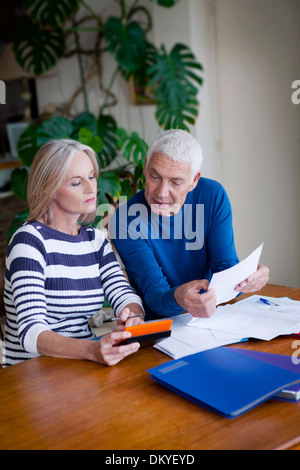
x=47, y=173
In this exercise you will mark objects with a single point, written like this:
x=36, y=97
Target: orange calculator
x=148, y=333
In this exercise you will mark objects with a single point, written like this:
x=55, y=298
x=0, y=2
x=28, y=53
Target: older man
x=176, y=233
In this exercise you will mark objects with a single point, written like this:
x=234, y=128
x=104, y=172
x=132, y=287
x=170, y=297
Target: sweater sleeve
x=116, y=287
x=25, y=265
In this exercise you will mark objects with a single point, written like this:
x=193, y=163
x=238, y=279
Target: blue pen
x=265, y=301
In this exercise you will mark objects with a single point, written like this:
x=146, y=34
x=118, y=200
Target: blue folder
x=223, y=380
x=290, y=393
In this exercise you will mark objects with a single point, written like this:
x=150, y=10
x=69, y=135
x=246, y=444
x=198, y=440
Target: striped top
x=55, y=281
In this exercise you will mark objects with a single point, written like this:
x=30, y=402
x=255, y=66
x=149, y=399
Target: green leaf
x=56, y=127
x=166, y=3
x=27, y=144
x=37, y=50
x=84, y=119
x=18, y=183
x=139, y=177
x=173, y=73
x=133, y=147
x=109, y=183
x=176, y=117
x=177, y=80
x=126, y=188
x=126, y=43
x=49, y=12
x=104, y=127
x=107, y=130
x=86, y=137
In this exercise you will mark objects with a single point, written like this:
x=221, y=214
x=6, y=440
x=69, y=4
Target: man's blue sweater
x=162, y=253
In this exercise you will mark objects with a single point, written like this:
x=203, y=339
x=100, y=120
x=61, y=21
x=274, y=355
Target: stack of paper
x=251, y=318
x=185, y=340
x=248, y=318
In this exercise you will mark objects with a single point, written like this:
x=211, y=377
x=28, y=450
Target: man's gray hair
x=179, y=146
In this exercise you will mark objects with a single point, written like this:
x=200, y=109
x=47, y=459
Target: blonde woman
x=58, y=271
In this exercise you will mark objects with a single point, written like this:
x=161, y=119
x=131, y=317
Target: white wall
x=192, y=22
x=248, y=127
x=258, y=51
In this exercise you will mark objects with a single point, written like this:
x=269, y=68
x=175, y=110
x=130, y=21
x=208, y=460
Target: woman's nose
x=89, y=187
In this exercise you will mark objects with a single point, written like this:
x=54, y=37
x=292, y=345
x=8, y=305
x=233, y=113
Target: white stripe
x=110, y=269
x=73, y=311
x=68, y=248
x=22, y=250
x=27, y=277
x=72, y=272
x=28, y=292
x=60, y=294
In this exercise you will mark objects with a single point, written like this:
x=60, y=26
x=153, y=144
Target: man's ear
x=195, y=181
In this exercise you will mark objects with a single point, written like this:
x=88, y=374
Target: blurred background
x=248, y=126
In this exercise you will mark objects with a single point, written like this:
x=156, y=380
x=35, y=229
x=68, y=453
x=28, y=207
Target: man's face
x=167, y=184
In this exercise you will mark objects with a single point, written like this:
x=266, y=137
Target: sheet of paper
x=225, y=281
x=251, y=318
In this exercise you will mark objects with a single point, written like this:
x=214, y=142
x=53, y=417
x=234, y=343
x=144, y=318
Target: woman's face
x=78, y=193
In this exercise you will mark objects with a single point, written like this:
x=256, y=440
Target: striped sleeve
x=116, y=287
x=25, y=267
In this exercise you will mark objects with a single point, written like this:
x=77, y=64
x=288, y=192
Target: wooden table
x=68, y=404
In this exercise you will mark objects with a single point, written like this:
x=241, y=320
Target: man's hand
x=198, y=305
x=256, y=281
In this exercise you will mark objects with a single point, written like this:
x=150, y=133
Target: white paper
x=185, y=340
x=225, y=281
x=250, y=318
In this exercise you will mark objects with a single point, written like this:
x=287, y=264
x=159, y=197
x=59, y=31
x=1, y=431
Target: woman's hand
x=106, y=352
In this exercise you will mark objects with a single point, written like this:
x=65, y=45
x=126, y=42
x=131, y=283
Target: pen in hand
x=116, y=319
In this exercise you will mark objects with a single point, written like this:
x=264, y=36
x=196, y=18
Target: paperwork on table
x=186, y=340
x=225, y=281
x=251, y=318
x=248, y=318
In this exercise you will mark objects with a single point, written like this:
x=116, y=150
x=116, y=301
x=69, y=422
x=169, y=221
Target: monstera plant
x=41, y=41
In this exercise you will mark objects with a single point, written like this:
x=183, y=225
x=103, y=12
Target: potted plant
x=172, y=77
